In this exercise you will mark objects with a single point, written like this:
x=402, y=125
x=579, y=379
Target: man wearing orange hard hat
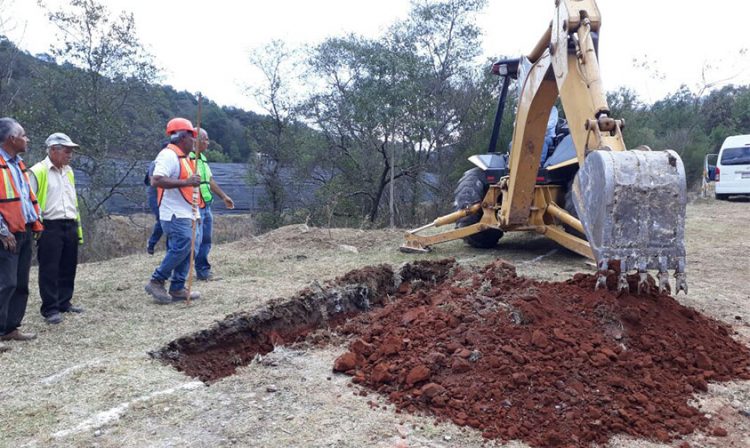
x=175, y=179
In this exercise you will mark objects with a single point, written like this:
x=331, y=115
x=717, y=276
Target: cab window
x=736, y=156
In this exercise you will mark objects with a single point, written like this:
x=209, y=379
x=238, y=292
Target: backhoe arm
x=564, y=65
x=631, y=203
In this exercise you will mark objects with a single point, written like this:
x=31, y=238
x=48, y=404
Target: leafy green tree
x=450, y=90
x=388, y=107
x=8, y=56
x=274, y=137
x=99, y=103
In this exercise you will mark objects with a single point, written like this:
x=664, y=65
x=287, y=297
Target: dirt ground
x=89, y=382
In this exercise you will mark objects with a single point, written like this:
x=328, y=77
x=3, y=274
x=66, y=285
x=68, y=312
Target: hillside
x=27, y=76
x=91, y=382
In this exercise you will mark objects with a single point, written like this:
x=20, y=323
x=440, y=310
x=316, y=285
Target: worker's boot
x=158, y=292
x=181, y=294
x=16, y=335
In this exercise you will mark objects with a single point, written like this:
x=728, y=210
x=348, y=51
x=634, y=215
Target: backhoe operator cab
x=558, y=164
x=732, y=173
x=623, y=208
x=558, y=150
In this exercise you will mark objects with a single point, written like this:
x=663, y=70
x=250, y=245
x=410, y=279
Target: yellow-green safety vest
x=205, y=174
x=40, y=171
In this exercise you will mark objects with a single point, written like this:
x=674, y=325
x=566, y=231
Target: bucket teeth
x=622, y=282
x=663, y=277
x=601, y=281
x=681, y=282
x=643, y=287
x=680, y=277
x=643, y=265
x=601, y=278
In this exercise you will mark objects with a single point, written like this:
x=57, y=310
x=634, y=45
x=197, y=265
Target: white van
x=733, y=167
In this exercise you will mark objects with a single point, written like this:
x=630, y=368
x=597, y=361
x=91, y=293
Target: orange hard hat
x=180, y=124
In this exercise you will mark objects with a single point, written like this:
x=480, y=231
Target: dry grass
x=89, y=381
x=117, y=236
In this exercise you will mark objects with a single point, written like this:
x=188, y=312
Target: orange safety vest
x=10, y=200
x=186, y=170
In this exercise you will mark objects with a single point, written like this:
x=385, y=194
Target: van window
x=736, y=156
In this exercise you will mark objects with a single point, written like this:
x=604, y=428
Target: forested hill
x=39, y=93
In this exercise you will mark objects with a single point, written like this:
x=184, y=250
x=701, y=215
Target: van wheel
x=471, y=189
x=721, y=197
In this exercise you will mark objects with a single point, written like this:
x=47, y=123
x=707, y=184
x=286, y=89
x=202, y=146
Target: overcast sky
x=677, y=38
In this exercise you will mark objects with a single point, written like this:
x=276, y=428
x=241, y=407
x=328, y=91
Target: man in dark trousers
x=57, y=250
x=153, y=206
x=19, y=219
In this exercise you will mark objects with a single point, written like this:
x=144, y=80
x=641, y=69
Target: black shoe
x=54, y=319
x=16, y=335
x=74, y=309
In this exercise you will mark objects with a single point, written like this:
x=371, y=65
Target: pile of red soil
x=552, y=364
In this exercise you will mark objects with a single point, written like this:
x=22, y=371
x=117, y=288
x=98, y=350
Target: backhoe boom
x=630, y=204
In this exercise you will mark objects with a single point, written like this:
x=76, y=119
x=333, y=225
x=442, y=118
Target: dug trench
x=551, y=364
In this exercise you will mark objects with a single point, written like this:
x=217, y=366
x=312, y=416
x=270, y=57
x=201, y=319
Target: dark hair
x=178, y=136
x=8, y=127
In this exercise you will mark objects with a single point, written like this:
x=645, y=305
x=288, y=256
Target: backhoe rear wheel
x=471, y=189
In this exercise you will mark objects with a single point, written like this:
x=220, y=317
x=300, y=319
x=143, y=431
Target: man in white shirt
x=57, y=249
x=176, y=180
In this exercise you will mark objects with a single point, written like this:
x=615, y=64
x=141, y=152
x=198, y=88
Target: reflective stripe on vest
x=186, y=170
x=9, y=189
x=10, y=202
x=205, y=178
x=40, y=171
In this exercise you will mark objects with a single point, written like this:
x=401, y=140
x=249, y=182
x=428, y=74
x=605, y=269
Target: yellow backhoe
x=623, y=208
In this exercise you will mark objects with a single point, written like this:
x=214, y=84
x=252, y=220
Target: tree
x=358, y=112
x=454, y=94
x=96, y=97
x=274, y=137
x=285, y=150
x=100, y=103
x=8, y=56
x=8, y=89
x=388, y=106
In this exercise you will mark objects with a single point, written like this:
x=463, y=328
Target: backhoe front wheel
x=471, y=189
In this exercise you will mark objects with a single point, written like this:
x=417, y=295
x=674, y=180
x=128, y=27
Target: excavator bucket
x=632, y=207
